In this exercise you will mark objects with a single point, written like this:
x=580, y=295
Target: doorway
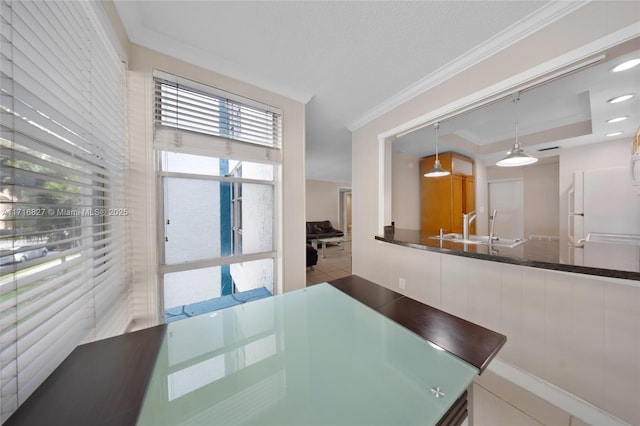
x=507, y=197
x=345, y=210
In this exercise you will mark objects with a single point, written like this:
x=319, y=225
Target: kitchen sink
x=482, y=239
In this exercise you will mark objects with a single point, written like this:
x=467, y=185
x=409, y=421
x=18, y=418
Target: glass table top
x=314, y=356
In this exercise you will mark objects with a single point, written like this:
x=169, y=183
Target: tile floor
x=336, y=264
x=490, y=407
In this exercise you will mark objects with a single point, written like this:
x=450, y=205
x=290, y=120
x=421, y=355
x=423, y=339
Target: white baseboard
x=551, y=393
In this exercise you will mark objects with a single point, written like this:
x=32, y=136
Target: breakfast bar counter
x=599, y=258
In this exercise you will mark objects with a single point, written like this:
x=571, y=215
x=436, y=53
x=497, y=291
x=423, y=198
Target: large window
x=62, y=174
x=218, y=162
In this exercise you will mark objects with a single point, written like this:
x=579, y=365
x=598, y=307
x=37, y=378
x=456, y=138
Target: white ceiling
x=347, y=60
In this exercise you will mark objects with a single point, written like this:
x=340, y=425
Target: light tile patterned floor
x=336, y=264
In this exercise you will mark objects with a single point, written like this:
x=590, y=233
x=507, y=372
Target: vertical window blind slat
x=63, y=168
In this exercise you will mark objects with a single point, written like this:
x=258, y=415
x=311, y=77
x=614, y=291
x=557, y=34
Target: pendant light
x=437, y=170
x=516, y=157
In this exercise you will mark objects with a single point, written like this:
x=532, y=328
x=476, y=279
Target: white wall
x=541, y=203
x=142, y=186
x=323, y=201
x=567, y=39
x=482, y=199
x=405, y=191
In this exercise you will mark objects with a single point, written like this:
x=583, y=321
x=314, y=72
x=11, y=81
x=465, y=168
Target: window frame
x=222, y=260
x=194, y=143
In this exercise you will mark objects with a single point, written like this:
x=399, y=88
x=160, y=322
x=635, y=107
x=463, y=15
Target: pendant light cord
x=515, y=100
x=517, y=156
x=437, y=126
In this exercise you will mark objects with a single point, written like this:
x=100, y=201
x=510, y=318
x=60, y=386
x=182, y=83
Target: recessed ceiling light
x=626, y=65
x=614, y=133
x=619, y=99
x=617, y=119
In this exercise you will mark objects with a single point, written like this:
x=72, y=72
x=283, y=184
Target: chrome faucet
x=467, y=218
x=492, y=236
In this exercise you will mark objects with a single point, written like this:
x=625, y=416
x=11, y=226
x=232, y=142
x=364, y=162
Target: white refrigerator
x=604, y=208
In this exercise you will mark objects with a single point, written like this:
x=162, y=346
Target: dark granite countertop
x=614, y=260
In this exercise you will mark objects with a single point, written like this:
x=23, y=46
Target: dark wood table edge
x=99, y=383
x=480, y=340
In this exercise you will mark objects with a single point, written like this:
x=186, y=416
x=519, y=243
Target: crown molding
x=532, y=23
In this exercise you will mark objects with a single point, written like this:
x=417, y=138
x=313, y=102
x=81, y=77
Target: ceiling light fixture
x=516, y=157
x=617, y=119
x=437, y=170
x=619, y=99
x=626, y=65
x=614, y=134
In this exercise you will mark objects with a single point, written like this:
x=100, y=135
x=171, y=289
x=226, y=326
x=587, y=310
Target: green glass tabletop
x=309, y=357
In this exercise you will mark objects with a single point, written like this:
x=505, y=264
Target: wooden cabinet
x=457, y=203
x=445, y=199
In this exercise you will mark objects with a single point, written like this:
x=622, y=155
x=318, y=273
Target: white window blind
x=188, y=106
x=62, y=179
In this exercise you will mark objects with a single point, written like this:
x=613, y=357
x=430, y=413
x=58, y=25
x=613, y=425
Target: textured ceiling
x=342, y=58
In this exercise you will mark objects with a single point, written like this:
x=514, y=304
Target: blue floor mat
x=193, y=309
